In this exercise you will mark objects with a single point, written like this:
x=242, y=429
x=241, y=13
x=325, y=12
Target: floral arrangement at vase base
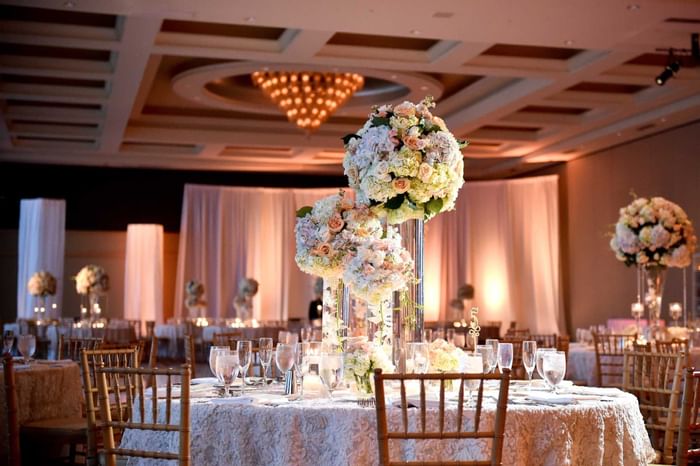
x=361, y=359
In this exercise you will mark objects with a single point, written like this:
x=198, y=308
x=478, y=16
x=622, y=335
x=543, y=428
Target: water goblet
x=487, y=355
x=473, y=363
x=554, y=366
x=301, y=364
x=428, y=335
x=332, y=372
x=265, y=355
x=284, y=357
x=26, y=344
x=529, y=359
x=539, y=356
x=244, y=348
x=212, y=357
x=493, y=358
x=227, y=367
x=505, y=356
x=418, y=353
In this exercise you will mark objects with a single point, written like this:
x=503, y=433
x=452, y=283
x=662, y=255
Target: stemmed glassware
x=284, y=357
x=529, y=359
x=539, y=358
x=212, y=358
x=244, y=348
x=450, y=334
x=473, y=364
x=227, y=367
x=505, y=356
x=554, y=366
x=418, y=355
x=428, y=335
x=493, y=358
x=301, y=364
x=7, y=341
x=332, y=371
x=265, y=355
x=306, y=333
x=26, y=344
x=487, y=355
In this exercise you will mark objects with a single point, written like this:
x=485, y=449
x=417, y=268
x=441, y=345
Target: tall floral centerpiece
x=327, y=234
x=92, y=281
x=406, y=165
x=40, y=285
x=653, y=234
x=194, y=298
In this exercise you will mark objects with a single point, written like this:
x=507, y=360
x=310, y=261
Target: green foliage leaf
x=304, y=211
x=349, y=137
x=432, y=129
x=433, y=206
x=380, y=121
x=395, y=202
x=462, y=143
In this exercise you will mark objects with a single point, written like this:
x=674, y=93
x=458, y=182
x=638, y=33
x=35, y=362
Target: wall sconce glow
x=494, y=293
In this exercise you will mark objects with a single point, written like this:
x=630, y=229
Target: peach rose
x=401, y=185
x=323, y=249
x=414, y=142
x=353, y=175
x=336, y=223
x=346, y=202
x=405, y=109
x=440, y=123
x=424, y=172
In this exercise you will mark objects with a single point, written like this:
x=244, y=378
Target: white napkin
x=554, y=398
x=200, y=380
x=269, y=399
x=233, y=400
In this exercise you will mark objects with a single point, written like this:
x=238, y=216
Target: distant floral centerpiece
x=444, y=357
x=654, y=233
x=329, y=231
x=92, y=280
x=194, y=291
x=404, y=162
x=42, y=283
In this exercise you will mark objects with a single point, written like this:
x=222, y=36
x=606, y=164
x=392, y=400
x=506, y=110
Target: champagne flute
x=26, y=344
x=227, y=367
x=505, y=356
x=450, y=335
x=493, y=358
x=265, y=355
x=529, y=359
x=244, y=348
x=305, y=334
x=332, y=372
x=540, y=356
x=554, y=365
x=427, y=335
x=212, y=357
x=301, y=363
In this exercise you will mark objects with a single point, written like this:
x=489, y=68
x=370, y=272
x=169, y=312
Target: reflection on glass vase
x=336, y=310
x=654, y=278
x=94, y=308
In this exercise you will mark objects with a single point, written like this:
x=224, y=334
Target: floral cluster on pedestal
x=194, y=298
x=654, y=234
x=92, y=281
x=40, y=285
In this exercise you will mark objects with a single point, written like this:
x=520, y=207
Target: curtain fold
x=143, y=273
x=42, y=233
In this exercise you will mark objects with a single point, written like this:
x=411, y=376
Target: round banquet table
x=580, y=364
x=255, y=429
x=45, y=390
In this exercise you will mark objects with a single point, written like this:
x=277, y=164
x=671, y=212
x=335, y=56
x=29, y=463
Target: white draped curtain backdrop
x=42, y=233
x=503, y=238
x=143, y=272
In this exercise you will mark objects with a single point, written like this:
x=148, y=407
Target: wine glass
x=301, y=363
x=493, y=358
x=7, y=341
x=505, y=356
x=450, y=335
x=487, y=355
x=282, y=336
x=227, y=367
x=332, y=372
x=305, y=334
x=26, y=344
x=428, y=335
x=539, y=356
x=418, y=355
x=473, y=364
x=244, y=348
x=212, y=357
x=265, y=355
x=554, y=366
x=529, y=359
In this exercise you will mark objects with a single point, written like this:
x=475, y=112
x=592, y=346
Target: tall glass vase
x=654, y=278
x=336, y=314
x=408, y=316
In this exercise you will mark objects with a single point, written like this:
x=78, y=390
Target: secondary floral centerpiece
x=42, y=284
x=361, y=359
x=404, y=162
x=92, y=280
x=194, y=301
x=654, y=234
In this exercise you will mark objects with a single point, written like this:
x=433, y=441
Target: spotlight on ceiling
x=670, y=70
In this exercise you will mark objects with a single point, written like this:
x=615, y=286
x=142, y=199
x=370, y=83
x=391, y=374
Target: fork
x=366, y=402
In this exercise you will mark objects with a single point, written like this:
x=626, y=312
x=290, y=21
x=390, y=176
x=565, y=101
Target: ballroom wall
x=593, y=189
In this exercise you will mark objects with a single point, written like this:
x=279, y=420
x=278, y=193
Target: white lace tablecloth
x=319, y=432
x=45, y=390
x=581, y=362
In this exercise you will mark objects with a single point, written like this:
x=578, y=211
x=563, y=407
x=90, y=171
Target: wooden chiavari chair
x=69, y=348
x=425, y=431
x=190, y=351
x=676, y=345
x=655, y=379
x=70, y=431
x=689, y=450
x=137, y=417
x=227, y=339
x=609, y=350
x=90, y=360
x=548, y=340
x=518, y=333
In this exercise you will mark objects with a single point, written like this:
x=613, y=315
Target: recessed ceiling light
x=69, y=4
x=424, y=88
x=569, y=42
x=663, y=120
x=393, y=76
x=633, y=7
x=250, y=19
x=619, y=134
x=415, y=32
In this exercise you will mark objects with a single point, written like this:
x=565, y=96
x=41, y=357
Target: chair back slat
x=70, y=348
x=227, y=339
x=609, y=349
x=440, y=428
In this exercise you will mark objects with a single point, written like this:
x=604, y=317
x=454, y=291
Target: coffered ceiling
x=167, y=83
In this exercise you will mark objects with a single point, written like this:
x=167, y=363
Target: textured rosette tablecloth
x=318, y=432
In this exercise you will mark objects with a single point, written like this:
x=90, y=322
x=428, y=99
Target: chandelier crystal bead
x=308, y=98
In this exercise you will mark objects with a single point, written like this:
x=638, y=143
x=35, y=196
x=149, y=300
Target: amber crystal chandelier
x=308, y=98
